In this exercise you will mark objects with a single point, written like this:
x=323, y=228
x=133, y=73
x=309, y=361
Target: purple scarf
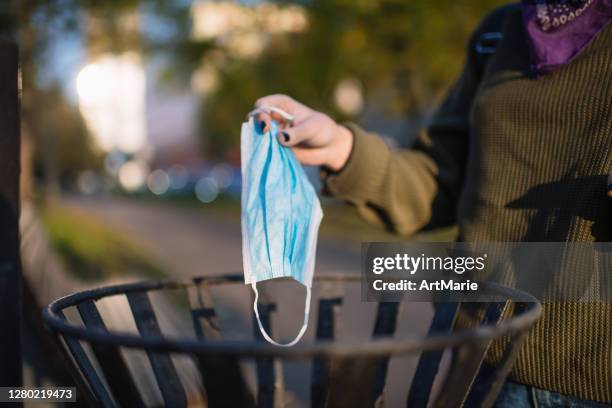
x=560, y=29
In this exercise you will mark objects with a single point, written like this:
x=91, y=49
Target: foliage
x=412, y=49
x=91, y=249
x=408, y=51
x=60, y=136
x=51, y=124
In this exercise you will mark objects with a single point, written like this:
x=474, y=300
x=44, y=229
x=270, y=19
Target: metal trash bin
x=342, y=373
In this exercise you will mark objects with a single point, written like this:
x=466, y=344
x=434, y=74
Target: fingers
x=291, y=136
x=263, y=119
x=283, y=102
x=286, y=103
x=282, y=121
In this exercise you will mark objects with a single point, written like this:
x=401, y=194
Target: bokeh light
x=132, y=175
x=348, y=96
x=206, y=190
x=222, y=174
x=158, y=182
x=111, y=92
x=179, y=176
x=87, y=182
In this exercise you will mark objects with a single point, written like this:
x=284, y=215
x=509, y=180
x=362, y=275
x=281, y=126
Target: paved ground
x=188, y=242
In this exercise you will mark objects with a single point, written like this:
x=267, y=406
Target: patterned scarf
x=560, y=29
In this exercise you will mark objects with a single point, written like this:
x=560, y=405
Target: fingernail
x=286, y=137
x=262, y=125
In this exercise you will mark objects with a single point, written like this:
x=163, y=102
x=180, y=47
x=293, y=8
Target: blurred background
x=131, y=114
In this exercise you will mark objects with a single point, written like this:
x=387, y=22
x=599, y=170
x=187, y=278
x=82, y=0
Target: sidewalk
x=189, y=242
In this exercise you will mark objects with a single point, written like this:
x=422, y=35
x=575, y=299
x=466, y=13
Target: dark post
x=10, y=266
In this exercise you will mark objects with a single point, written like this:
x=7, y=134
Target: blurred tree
x=408, y=51
x=412, y=49
x=55, y=144
x=65, y=148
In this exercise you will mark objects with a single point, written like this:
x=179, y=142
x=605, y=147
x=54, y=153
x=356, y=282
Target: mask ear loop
x=302, y=330
x=286, y=116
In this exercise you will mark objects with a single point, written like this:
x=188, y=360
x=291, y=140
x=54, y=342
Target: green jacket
x=509, y=157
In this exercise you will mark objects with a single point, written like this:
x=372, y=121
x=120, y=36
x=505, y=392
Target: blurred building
x=171, y=122
x=141, y=123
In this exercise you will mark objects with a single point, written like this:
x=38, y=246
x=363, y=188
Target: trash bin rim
x=245, y=349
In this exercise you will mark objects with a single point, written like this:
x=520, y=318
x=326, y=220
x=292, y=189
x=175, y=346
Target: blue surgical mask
x=281, y=214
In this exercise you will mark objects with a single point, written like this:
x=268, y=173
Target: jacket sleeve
x=408, y=189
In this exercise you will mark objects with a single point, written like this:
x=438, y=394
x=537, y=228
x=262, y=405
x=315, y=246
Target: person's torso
x=540, y=149
x=539, y=154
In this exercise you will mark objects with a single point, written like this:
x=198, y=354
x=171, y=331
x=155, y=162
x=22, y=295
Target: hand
x=316, y=139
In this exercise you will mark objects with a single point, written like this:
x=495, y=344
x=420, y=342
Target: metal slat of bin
x=205, y=322
x=483, y=379
x=266, y=384
x=429, y=362
x=350, y=383
x=364, y=374
x=505, y=365
x=467, y=362
x=217, y=371
x=86, y=368
x=165, y=372
x=488, y=384
x=330, y=300
x=386, y=321
x=111, y=361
